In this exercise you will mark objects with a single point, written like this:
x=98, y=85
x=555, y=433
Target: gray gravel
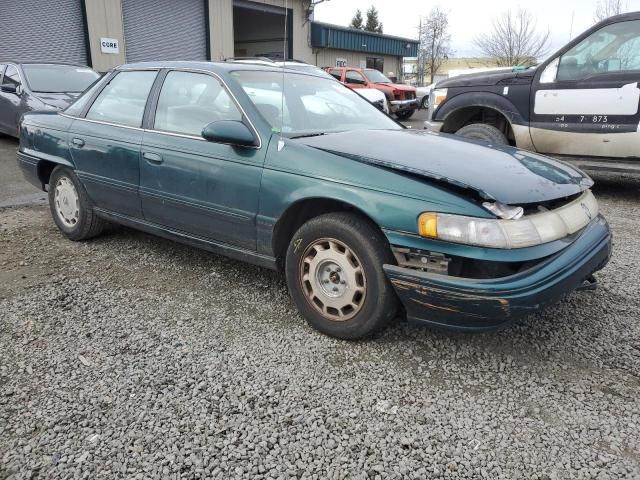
x=133, y=357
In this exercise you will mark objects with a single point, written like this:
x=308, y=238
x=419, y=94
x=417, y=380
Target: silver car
x=38, y=86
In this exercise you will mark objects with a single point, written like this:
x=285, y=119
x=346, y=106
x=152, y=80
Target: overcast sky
x=468, y=18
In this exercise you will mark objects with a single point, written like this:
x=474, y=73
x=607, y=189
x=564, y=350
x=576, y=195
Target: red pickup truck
x=402, y=98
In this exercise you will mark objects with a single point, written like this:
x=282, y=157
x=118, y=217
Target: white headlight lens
x=527, y=231
x=471, y=231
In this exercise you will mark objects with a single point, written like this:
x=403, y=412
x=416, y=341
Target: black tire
x=378, y=303
x=87, y=224
x=425, y=102
x=405, y=115
x=483, y=133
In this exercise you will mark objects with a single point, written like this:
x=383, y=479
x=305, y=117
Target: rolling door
x=43, y=31
x=165, y=30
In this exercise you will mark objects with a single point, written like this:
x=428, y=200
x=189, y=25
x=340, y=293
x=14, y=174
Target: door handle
x=78, y=142
x=152, y=158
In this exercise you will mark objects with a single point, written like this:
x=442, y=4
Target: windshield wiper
x=306, y=135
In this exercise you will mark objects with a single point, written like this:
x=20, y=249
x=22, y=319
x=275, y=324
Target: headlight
x=527, y=231
x=458, y=229
x=438, y=96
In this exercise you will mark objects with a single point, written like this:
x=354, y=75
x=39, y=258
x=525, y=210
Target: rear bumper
x=476, y=305
x=29, y=167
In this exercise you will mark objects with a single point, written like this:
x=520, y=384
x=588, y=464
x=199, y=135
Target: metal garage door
x=165, y=30
x=42, y=30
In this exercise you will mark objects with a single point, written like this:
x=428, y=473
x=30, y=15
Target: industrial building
x=105, y=33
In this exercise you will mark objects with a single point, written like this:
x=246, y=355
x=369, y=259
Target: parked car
x=376, y=97
x=580, y=105
x=38, y=86
x=422, y=95
x=361, y=214
x=402, y=98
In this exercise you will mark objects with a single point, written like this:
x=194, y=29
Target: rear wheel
x=484, y=133
x=335, y=276
x=71, y=207
x=405, y=115
x=425, y=102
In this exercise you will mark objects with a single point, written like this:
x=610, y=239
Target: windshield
x=376, y=77
x=312, y=105
x=58, y=78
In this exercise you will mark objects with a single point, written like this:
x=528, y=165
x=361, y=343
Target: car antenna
x=284, y=54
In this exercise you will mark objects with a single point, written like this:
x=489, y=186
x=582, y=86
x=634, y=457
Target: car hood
x=506, y=174
x=398, y=86
x=58, y=100
x=485, y=79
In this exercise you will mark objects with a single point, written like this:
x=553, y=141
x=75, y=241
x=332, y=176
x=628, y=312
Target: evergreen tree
x=356, y=21
x=373, y=24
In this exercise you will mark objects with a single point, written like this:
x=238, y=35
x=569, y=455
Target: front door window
x=614, y=48
x=190, y=101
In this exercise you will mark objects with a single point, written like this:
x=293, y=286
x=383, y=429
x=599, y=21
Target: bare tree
x=514, y=40
x=609, y=8
x=434, y=46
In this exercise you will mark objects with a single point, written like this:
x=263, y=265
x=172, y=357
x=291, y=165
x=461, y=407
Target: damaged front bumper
x=402, y=105
x=476, y=305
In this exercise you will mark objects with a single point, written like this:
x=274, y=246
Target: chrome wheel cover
x=67, y=202
x=332, y=279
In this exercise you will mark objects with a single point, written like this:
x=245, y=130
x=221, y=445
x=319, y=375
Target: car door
x=105, y=142
x=354, y=79
x=12, y=104
x=206, y=189
x=585, y=102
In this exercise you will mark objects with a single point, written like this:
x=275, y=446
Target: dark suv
x=582, y=104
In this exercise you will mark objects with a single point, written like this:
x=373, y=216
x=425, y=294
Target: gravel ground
x=130, y=356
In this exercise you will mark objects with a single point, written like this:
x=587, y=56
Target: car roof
x=215, y=67
x=17, y=62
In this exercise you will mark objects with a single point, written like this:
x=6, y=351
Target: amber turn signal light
x=428, y=225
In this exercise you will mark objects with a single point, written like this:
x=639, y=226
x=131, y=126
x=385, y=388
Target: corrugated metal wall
x=165, y=30
x=330, y=36
x=42, y=30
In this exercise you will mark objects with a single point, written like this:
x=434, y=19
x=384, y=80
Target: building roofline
x=365, y=32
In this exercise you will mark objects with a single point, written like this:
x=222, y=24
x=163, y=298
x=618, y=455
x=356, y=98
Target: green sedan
x=369, y=221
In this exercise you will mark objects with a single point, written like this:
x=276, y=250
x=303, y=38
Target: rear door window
x=123, y=100
x=336, y=73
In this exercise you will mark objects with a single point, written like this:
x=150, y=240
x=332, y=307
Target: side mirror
x=10, y=88
x=231, y=132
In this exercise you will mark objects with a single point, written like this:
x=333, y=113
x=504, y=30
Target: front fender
x=480, y=99
x=393, y=200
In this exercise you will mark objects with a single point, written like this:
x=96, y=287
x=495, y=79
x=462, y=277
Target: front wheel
x=405, y=115
x=484, y=133
x=335, y=276
x=71, y=207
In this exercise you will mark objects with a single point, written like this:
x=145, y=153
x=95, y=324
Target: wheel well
x=490, y=116
x=44, y=171
x=299, y=213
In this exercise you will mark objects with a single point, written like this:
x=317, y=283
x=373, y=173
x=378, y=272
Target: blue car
x=295, y=172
